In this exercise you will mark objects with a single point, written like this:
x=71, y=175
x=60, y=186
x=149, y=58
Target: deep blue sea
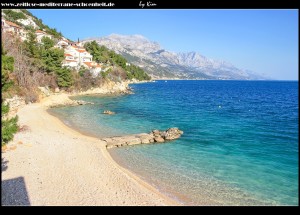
x=240, y=141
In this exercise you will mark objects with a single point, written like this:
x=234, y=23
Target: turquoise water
x=240, y=141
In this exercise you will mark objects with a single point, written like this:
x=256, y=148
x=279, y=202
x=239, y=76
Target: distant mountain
x=160, y=63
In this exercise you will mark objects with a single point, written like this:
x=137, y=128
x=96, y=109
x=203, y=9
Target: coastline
x=53, y=156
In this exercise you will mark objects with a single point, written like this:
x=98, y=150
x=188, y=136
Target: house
x=76, y=57
x=62, y=44
x=70, y=63
x=78, y=54
x=40, y=34
x=93, y=67
x=7, y=26
x=13, y=28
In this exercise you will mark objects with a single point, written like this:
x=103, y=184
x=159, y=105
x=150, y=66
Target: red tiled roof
x=39, y=31
x=81, y=51
x=12, y=24
x=89, y=64
x=68, y=54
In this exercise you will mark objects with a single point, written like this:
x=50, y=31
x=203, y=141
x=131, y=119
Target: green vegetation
x=64, y=77
x=137, y=73
x=48, y=59
x=47, y=42
x=101, y=54
x=40, y=65
x=13, y=16
x=9, y=126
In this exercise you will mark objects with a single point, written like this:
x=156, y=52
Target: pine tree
x=64, y=77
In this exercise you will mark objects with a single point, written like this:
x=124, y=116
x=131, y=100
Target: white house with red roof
x=76, y=56
x=40, y=34
x=13, y=28
x=62, y=44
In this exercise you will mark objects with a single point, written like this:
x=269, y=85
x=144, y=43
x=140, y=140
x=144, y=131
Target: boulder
x=145, y=140
x=155, y=136
x=159, y=139
x=172, y=134
x=108, y=112
x=156, y=132
x=134, y=141
x=45, y=90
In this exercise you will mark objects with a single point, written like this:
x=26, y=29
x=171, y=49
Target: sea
x=240, y=141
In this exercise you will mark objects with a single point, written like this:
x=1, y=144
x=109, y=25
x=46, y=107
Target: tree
x=47, y=42
x=31, y=45
x=64, y=77
x=102, y=54
x=9, y=126
x=52, y=59
x=82, y=70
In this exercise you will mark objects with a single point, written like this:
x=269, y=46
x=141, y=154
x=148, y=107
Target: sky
x=263, y=41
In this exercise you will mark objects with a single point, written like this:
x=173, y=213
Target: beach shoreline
x=52, y=158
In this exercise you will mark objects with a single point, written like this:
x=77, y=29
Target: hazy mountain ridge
x=160, y=63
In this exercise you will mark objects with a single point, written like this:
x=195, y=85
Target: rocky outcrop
x=45, y=91
x=109, y=87
x=14, y=104
x=155, y=136
x=108, y=112
x=172, y=134
x=61, y=100
x=71, y=102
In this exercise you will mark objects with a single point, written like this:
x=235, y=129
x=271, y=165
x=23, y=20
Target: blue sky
x=264, y=41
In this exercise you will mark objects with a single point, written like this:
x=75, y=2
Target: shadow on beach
x=3, y=164
x=13, y=192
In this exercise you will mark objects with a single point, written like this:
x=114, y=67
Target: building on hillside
x=7, y=26
x=62, y=44
x=76, y=57
x=13, y=28
x=77, y=53
x=93, y=67
x=40, y=34
x=70, y=63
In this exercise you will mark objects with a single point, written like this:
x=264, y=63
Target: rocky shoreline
x=154, y=136
x=44, y=138
x=60, y=98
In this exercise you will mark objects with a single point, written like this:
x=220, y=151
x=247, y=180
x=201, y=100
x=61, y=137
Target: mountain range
x=164, y=64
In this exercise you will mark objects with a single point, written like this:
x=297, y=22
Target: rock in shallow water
x=159, y=139
x=108, y=112
x=172, y=134
x=155, y=136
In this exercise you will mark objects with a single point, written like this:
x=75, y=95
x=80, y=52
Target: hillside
x=160, y=63
x=43, y=57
